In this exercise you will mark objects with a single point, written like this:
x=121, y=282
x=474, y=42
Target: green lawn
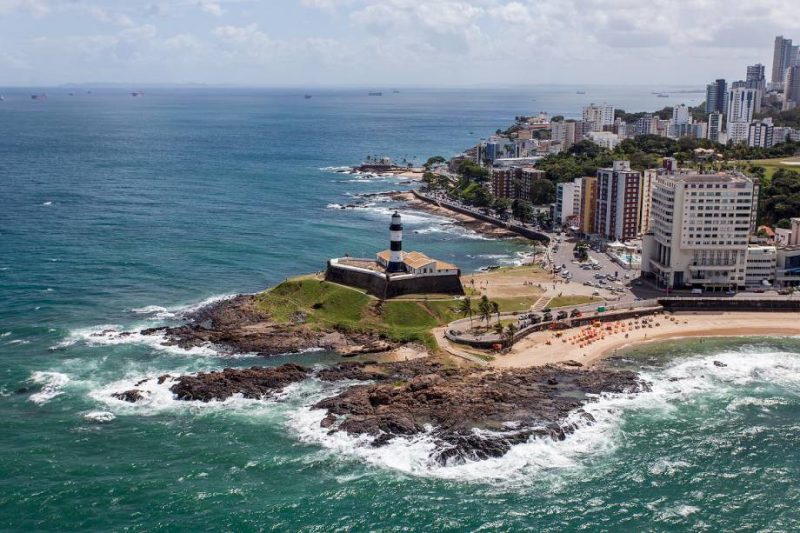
x=571, y=301
x=322, y=305
x=771, y=165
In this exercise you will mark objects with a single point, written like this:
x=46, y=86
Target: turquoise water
x=118, y=213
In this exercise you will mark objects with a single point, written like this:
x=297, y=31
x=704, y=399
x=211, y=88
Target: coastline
x=534, y=350
x=472, y=223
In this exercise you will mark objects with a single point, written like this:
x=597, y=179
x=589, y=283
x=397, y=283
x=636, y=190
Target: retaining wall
x=525, y=232
x=730, y=304
x=378, y=286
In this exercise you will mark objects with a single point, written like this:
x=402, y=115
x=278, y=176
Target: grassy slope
x=328, y=305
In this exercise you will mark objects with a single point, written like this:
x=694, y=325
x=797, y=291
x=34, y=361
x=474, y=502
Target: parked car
x=546, y=310
x=575, y=313
x=547, y=317
x=535, y=319
x=562, y=315
x=700, y=291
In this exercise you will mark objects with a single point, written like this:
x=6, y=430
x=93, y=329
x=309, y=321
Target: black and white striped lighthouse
x=396, y=245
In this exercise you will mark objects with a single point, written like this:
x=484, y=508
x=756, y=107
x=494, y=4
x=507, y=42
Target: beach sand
x=534, y=350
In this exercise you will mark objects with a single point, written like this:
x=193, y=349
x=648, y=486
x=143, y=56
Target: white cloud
x=212, y=8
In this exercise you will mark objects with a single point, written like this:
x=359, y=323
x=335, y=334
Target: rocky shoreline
x=471, y=413
x=238, y=326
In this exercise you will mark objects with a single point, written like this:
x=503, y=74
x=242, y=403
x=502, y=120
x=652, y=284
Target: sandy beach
x=535, y=350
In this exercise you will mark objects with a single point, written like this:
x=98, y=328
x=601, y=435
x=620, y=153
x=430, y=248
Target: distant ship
x=137, y=94
x=662, y=95
x=376, y=93
x=42, y=96
x=72, y=94
x=307, y=96
x=2, y=97
x=580, y=92
x=395, y=91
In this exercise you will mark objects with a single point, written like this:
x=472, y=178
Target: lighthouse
x=396, y=245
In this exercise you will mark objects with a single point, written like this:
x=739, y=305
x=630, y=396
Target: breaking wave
x=677, y=384
x=52, y=386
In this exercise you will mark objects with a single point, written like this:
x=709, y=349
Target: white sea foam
x=114, y=334
x=677, y=384
x=99, y=416
x=157, y=312
x=18, y=341
x=340, y=170
x=6, y=334
x=47, y=203
x=52, y=385
x=157, y=397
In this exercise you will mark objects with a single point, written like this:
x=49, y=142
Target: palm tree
x=485, y=309
x=511, y=331
x=496, y=310
x=498, y=328
x=466, y=309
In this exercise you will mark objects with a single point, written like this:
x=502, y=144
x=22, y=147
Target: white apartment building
x=760, y=133
x=598, y=116
x=741, y=104
x=714, y=126
x=760, y=267
x=738, y=132
x=699, y=231
x=568, y=201
x=646, y=198
x=605, y=139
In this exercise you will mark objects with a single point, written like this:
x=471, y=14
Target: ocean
x=119, y=213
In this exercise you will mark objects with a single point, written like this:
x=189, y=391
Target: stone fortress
x=394, y=272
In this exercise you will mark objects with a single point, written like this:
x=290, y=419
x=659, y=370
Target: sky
x=423, y=43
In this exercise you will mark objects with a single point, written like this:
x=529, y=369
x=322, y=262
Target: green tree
x=466, y=309
x=510, y=334
x=542, y=192
x=496, y=310
x=435, y=160
x=485, y=309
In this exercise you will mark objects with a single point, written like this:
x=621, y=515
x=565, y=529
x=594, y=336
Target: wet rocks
x=132, y=395
x=470, y=412
x=238, y=326
x=252, y=383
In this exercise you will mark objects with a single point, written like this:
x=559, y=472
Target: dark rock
x=719, y=363
x=474, y=413
x=132, y=395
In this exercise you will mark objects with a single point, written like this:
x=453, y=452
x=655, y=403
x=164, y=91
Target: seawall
x=519, y=230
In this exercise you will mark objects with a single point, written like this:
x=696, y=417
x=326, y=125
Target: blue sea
x=118, y=213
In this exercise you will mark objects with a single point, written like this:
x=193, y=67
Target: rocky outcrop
x=474, y=414
x=471, y=413
x=238, y=326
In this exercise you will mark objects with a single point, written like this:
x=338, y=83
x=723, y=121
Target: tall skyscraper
x=781, y=58
x=714, y=126
x=741, y=104
x=716, y=96
x=755, y=77
x=791, y=88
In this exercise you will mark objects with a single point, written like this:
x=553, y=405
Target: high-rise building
x=714, y=126
x=760, y=133
x=646, y=125
x=755, y=77
x=565, y=202
x=680, y=114
x=716, y=94
x=563, y=132
x=791, y=88
x=738, y=132
x=618, y=191
x=588, y=204
x=741, y=103
x=781, y=58
x=598, y=116
x=700, y=226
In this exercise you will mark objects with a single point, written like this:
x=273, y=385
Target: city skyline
x=439, y=43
